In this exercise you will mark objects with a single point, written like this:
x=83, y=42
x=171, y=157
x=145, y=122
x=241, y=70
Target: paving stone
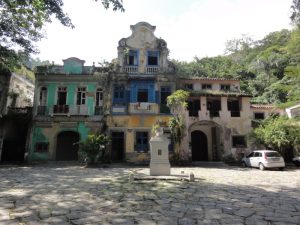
x=187, y=221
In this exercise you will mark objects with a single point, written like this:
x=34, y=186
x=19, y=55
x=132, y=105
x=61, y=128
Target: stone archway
x=67, y=146
x=212, y=133
x=199, y=146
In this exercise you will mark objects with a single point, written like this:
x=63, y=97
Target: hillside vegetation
x=269, y=69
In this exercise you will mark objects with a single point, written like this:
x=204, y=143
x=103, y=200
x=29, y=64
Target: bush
x=94, y=147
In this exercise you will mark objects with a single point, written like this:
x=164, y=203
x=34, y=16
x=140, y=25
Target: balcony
x=119, y=109
x=143, y=107
x=41, y=110
x=131, y=69
x=214, y=114
x=79, y=110
x=152, y=69
x=60, y=109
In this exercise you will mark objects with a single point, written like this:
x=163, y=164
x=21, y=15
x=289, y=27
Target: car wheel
x=244, y=164
x=261, y=166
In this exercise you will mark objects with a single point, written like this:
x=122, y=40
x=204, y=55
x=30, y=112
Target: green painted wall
x=83, y=131
x=90, y=100
x=51, y=94
x=71, y=89
x=73, y=66
x=38, y=136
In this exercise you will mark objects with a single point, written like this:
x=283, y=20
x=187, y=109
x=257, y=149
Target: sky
x=190, y=27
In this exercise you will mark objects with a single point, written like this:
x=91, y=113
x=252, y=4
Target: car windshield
x=272, y=154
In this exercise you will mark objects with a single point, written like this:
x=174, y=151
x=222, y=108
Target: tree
x=295, y=16
x=278, y=133
x=21, y=23
x=177, y=104
x=94, y=147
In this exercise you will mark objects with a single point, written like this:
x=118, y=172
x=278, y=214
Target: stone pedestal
x=159, y=164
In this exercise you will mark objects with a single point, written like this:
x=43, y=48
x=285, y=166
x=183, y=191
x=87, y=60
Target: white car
x=296, y=161
x=264, y=159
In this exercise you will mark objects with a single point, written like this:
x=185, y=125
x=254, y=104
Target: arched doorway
x=199, y=146
x=66, y=146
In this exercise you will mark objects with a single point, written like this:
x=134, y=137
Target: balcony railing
x=194, y=113
x=41, y=110
x=131, y=69
x=152, y=69
x=60, y=109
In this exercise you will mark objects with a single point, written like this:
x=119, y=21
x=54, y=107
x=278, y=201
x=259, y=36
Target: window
x=233, y=105
x=164, y=93
x=152, y=58
x=206, y=86
x=62, y=96
x=81, y=96
x=239, y=142
x=193, y=107
x=225, y=87
x=132, y=59
x=259, y=115
x=142, y=141
x=214, y=106
x=142, y=95
x=257, y=154
x=188, y=86
x=41, y=147
x=119, y=93
x=99, y=97
x=43, y=96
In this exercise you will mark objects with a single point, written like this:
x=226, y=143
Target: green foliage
x=21, y=24
x=269, y=69
x=295, y=16
x=94, y=147
x=279, y=133
x=177, y=103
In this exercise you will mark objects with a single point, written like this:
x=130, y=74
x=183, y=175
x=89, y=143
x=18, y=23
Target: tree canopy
x=21, y=23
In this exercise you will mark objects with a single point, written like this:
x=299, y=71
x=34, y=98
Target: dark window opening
x=153, y=58
x=206, y=86
x=132, y=59
x=142, y=95
x=194, y=107
x=164, y=93
x=214, y=106
x=41, y=147
x=62, y=96
x=239, y=142
x=234, y=107
x=142, y=141
x=188, y=86
x=225, y=87
x=259, y=116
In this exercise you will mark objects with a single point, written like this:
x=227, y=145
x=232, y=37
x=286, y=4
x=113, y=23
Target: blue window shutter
x=151, y=93
x=157, y=97
x=127, y=95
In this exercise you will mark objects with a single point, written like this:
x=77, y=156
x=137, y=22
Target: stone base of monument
x=159, y=163
x=160, y=169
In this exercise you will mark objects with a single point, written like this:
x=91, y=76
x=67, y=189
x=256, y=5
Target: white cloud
x=191, y=28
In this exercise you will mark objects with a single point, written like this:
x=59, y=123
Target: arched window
x=43, y=96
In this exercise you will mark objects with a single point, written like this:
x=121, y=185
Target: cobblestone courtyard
x=75, y=195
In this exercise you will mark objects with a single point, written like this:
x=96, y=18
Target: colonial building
x=74, y=100
x=68, y=105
